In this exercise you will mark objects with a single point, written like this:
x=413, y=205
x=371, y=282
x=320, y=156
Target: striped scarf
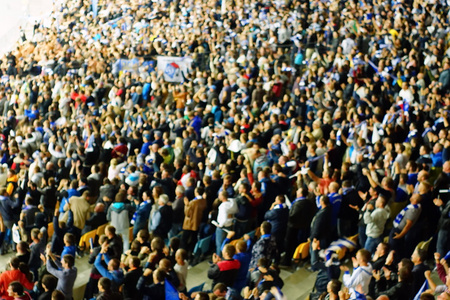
x=401, y=215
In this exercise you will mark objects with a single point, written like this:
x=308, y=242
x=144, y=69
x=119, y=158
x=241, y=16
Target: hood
x=118, y=206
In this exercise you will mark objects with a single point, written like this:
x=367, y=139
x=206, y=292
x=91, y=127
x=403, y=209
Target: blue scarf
x=133, y=220
x=401, y=215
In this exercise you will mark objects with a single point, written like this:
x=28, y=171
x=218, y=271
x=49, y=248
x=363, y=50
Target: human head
x=363, y=256
x=57, y=295
x=110, y=231
x=104, y=284
x=68, y=261
x=228, y=251
x=266, y=227
x=49, y=282
x=334, y=286
x=15, y=289
x=158, y=276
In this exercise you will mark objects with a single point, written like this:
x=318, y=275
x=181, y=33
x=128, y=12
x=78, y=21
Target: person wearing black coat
x=321, y=224
x=97, y=219
x=131, y=279
x=278, y=215
x=299, y=222
x=401, y=290
x=154, y=291
x=348, y=217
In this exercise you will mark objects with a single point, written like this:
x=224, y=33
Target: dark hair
x=135, y=261
x=266, y=227
x=264, y=262
x=406, y=262
x=143, y=233
x=404, y=274
x=69, y=260
x=50, y=282
x=422, y=254
x=160, y=275
x=115, y=263
x=426, y=296
x=203, y=296
x=220, y=287
x=105, y=283
x=15, y=263
x=175, y=243
x=335, y=286
x=229, y=250
x=325, y=200
x=17, y=287
x=57, y=295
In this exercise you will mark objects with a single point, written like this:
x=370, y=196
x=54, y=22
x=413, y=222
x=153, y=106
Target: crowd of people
x=307, y=120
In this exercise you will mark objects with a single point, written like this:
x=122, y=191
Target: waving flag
x=171, y=291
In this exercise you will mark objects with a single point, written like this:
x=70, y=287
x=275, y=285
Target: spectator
x=265, y=247
x=118, y=215
x=106, y=292
x=161, y=222
x=17, y=273
x=131, y=279
x=49, y=283
x=277, y=216
x=226, y=270
x=375, y=219
x=16, y=291
x=361, y=275
x=81, y=211
x=225, y=217
x=65, y=271
x=320, y=224
x=193, y=214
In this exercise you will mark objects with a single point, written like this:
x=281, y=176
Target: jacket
x=165, y=223
x=375, y=221
x=9, y=276
x=116, y=276
x=224, y=271
x=193, y=213
x=151, y=292
x=278, y=217
x=266, y=247
x=118, y=215
x=81, y=211
x=66, y=278
x=301, y=214
x=130, y=281
x=321, y=224
x=7, y=207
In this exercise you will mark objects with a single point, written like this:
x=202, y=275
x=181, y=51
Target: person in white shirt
x=225, y=217
x=181, y=268
x=361, y=276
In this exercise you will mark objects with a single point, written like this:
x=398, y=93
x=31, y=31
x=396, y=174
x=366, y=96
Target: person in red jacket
x=224, y=270
x=121, y=150
x=14, y=274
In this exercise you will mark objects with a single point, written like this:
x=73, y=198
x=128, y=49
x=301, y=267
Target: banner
x=95, y=8
x=174, y=68
x=129, y=65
